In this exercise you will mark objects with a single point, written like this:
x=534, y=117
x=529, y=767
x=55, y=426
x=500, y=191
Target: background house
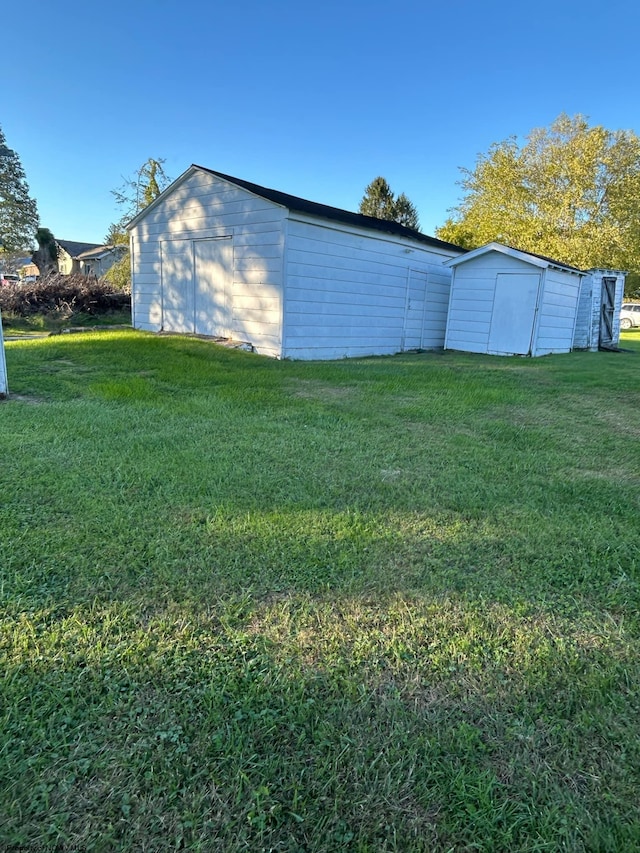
x=28, y=268
x=68, y=255
x=86, y=258
x=217, y=255
x=505, y=302
x=98, y=261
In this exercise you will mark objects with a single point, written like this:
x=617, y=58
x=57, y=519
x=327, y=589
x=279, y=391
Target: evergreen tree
x=406, y=213
x=18, y=211
x=379, y=201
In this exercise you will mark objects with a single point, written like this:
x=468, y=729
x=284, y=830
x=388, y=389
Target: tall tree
x=138, y=191
x=46, y=255
x=116, y=235
x=134, y=195
x=18, y=211
x=380, y=202
x=406, y=213
x=571, y=192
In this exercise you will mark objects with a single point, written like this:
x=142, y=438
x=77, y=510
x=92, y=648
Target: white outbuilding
x=219, y=256
x=508, y=302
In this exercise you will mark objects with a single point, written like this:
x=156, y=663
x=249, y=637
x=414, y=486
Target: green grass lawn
x=41, y=324
x=372, y=605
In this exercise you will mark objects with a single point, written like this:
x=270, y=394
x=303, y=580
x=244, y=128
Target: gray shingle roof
x=95, y=253
x=74, y=248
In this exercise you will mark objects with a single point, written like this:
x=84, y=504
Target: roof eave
x=306, y=207
x=525, y=257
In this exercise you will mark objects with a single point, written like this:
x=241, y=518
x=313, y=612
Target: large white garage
x=220, y=256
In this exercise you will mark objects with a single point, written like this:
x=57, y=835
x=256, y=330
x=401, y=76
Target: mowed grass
x=373, y=605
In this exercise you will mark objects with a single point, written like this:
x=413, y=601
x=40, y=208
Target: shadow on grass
x=319, y=724
x=380, y=605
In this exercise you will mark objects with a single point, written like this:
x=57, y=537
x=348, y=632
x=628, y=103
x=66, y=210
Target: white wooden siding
x=472, y=297
x=587, y=331
x=475, y=318
x=202, y=207
x=300, y=286
x=582, y=338
x=351, y=293
x=557, y=313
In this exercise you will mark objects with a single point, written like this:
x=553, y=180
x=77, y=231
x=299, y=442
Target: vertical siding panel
x=557, y=313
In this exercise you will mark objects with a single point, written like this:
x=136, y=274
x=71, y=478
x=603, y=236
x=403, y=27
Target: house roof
x=527, y=257
x=98, y=252
x=303, y=205
x=74, y=249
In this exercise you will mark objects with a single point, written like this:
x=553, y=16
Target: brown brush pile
x=62, y=296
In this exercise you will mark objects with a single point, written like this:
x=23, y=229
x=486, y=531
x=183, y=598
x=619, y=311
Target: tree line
x=20, y=227
x=570, y=191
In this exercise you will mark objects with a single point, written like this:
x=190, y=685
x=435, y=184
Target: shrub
x=62, y=296
x=119, y=275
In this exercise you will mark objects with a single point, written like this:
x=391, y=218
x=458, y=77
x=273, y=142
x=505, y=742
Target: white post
x=4, y=386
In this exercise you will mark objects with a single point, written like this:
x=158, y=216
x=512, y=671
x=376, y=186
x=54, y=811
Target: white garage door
x=178, y=303
x=213, y=280
x=514, y=311
x=196, y=286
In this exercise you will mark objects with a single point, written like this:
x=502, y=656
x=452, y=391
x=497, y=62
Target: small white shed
x=220, y=256
x=508, y=302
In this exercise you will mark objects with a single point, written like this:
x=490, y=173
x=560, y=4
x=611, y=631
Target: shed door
x=607, y=310
x=414, y=310
x=425, y=317
x=436, y=307
x=213, y=293
x=514, y=312
x=178, y=302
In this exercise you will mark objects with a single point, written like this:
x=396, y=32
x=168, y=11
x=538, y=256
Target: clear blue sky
x=311, y=99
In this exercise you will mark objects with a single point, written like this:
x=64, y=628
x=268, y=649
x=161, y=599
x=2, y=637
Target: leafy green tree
x=380, y=202
x=137, y=192
x=46, y=255
x=18, y=211
x=134, y=195
x=116, y=235
x=571, y=192
x=119, y=275
x=632, y=286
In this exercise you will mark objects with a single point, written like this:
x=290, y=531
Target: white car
x=9, y=278
x=629, y=315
